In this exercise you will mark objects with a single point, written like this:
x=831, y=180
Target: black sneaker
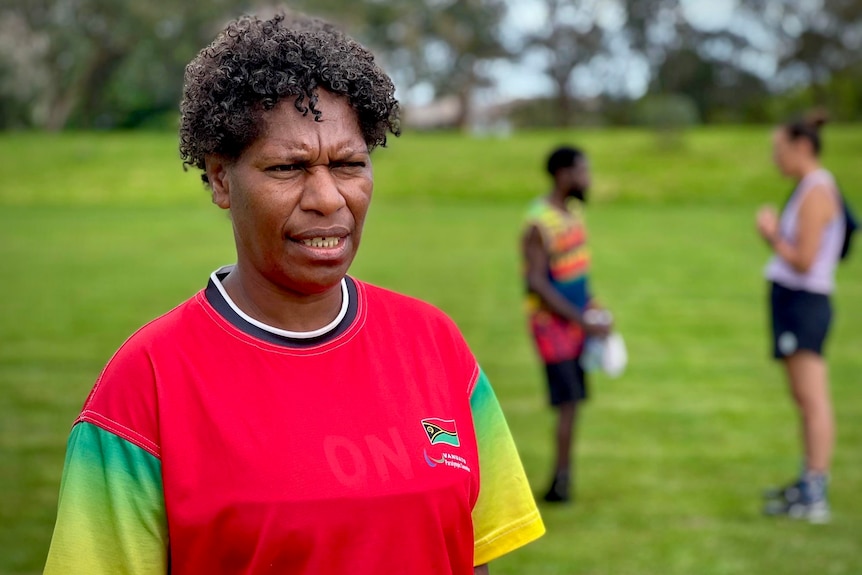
x=559, y=490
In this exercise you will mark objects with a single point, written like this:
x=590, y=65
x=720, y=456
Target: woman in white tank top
x=806, y=240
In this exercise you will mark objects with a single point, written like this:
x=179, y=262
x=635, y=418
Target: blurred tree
x=720, y=90
x=87, y=42
x=443, y=44
x=653, y=27
x=688, y=64
x=571, y=39
x=667, y=115
x=816, y=48
x=734, y=68
x=21, y=78
x=684, y=71
x=92, y=63
x=469, y=30
x=769, y=47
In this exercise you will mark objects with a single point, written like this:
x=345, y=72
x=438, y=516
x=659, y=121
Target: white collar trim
x=283, y=332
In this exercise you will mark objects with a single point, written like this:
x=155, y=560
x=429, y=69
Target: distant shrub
x=668, y=115
x=156, y=120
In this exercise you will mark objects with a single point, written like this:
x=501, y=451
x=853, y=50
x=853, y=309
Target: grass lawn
x=99, y=233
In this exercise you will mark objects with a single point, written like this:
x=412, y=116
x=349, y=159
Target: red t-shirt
x=211, y=446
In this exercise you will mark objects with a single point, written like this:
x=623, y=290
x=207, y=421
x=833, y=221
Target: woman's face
x=298, y=196
x=786, y=153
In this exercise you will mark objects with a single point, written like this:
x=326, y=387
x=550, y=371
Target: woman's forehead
x=337, y=124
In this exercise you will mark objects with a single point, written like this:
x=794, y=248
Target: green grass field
x=101, y=232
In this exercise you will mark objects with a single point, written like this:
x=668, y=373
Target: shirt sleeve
x=505, y=516
x=111, y=513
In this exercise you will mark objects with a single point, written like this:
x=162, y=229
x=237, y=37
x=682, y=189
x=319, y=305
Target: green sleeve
x=111, y=513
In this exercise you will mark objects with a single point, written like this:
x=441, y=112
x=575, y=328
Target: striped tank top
x=564, y=237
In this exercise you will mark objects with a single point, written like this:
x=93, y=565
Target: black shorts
x=800, y=320
x=567, y=382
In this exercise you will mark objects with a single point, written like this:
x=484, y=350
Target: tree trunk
x=87, y=87
x=465, y=112
x=564, y=105
x=93, y=93
x=59, y=111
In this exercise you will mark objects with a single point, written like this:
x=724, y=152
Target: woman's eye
x=348, y=165
x=284, y=168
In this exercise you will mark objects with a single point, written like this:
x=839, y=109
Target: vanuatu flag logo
x=441, y=431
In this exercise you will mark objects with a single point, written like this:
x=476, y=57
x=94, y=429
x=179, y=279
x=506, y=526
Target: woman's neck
x=808, y=168
x=281, y=309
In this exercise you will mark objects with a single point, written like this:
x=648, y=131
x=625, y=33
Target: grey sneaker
x=814, y=512
x=805, y=500
x=789, y=492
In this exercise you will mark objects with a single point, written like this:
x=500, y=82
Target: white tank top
x=820, y=277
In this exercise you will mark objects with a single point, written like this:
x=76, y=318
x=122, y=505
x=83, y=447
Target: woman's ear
x=217, y=174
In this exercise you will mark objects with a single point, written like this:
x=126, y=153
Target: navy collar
x=225, y=308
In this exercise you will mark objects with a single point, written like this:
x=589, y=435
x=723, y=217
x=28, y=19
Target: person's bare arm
x=537, y=277
x=481, y=570
x=817, y=209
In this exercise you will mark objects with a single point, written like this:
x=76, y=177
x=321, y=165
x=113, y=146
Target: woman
x=806, y=241
x=289, y=418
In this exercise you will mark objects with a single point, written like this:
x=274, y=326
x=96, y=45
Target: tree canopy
x=118, y=63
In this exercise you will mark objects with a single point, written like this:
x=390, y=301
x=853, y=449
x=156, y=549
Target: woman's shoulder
x=816, y=188
x=156, y=337
x=124, y=398
x=820, y=197
x=418, y=327
x=409, y=314
x=819, y=179
x=167, y=325
x=402, y=303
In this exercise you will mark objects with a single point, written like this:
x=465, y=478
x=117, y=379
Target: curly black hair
x=563, y=157
x=253, y=64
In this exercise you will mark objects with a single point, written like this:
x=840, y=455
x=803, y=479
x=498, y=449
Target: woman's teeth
x=321, y=242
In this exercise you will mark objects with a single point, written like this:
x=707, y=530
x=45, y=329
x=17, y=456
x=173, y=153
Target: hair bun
x=817, y=118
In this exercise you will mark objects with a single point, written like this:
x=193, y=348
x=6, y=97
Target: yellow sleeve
x=505, y=516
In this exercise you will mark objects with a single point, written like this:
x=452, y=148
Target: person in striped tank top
x=560, y=306
x=806, y=240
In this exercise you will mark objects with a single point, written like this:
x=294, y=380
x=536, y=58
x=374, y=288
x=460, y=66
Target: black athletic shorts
x=800, y=320
x=567, y=382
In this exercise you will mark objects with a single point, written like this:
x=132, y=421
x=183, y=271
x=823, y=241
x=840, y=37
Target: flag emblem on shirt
x=441, y=431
